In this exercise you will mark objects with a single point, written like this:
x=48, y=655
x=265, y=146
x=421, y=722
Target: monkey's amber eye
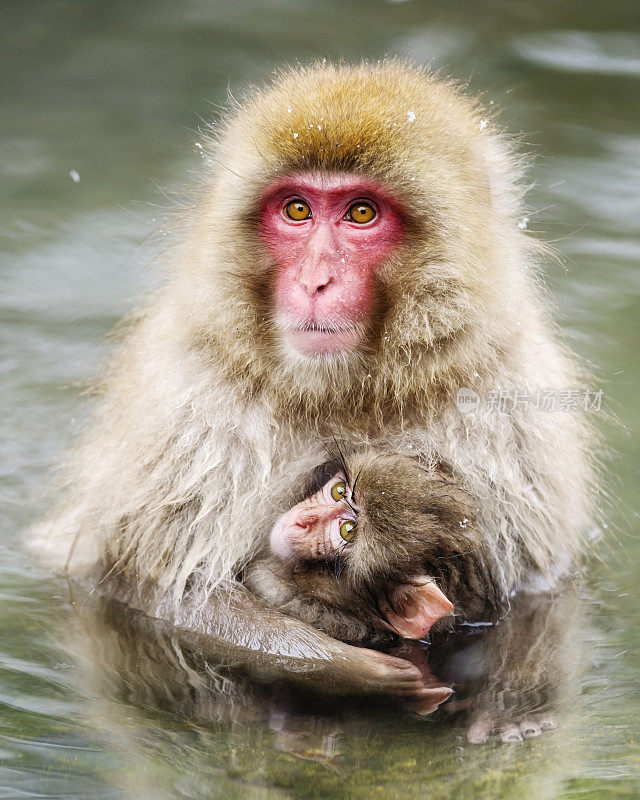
x=361, y=212
x=297, y=210
x=348, y=530
x=338, y=490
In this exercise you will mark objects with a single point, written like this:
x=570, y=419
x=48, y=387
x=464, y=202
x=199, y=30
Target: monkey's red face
x=317, y=528
x=328, y=234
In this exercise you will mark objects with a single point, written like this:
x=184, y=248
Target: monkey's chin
x=282, y=540
x=318, y=343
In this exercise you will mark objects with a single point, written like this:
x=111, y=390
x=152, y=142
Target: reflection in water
x=160, y=702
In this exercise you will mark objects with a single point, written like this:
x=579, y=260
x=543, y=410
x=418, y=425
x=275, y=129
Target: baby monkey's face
x=370, y=534
x=321, y=527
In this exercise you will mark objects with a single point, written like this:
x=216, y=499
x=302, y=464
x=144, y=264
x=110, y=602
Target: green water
x=115, y=91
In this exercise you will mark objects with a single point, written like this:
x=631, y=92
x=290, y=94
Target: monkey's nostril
x=314, y=287
x=306, y=522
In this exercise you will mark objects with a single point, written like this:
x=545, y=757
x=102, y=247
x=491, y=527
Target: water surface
x=101, y=106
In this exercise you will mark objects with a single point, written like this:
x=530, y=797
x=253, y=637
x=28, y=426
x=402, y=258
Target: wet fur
x=205, y=429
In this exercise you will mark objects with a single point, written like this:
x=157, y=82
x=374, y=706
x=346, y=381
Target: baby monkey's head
x=381, y=524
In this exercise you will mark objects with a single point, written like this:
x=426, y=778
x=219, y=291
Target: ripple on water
x=35, y=704
x=607, y=53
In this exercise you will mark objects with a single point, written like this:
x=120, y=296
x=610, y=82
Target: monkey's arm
x=316, y=598
x=236, y=628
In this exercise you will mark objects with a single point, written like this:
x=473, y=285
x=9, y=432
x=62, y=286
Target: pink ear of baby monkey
x=417, y=607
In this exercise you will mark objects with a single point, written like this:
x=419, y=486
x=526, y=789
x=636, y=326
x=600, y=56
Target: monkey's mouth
x=318, y=338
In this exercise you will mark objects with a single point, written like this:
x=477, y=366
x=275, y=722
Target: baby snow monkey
x=382, y=546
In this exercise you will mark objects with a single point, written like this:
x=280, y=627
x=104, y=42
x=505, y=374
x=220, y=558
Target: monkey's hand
x=517, y=680
x=531, y=726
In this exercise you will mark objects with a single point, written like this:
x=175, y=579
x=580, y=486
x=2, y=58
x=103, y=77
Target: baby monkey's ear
x=415, y=607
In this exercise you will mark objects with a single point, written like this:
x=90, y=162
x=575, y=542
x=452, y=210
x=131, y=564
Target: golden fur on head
x=432, y=149
x=207, y=429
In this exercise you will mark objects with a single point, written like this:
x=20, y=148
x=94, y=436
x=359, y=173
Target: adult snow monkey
x=351, y=260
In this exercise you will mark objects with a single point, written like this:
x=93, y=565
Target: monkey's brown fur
x=205, y=429
x=411, y=522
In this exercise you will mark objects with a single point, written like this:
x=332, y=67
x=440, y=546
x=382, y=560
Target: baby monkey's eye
x=338, y=491
x=361, y=212
x=348, y=530
x=298, y=210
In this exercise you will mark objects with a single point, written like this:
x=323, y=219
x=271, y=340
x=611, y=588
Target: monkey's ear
x=416, y=607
